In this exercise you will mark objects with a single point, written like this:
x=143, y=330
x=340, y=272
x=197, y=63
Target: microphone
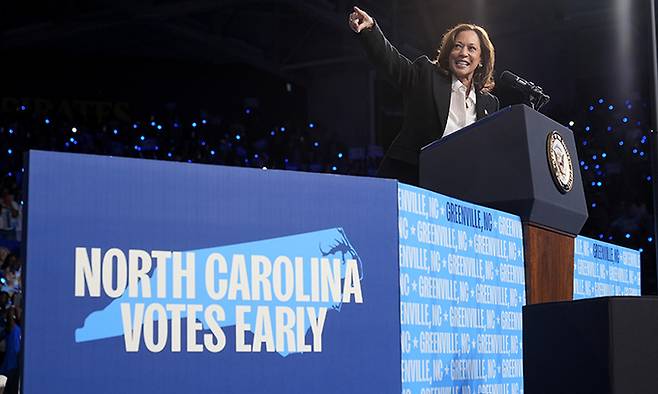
x=535, y=95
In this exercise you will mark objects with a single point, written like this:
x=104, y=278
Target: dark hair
x=483, y=76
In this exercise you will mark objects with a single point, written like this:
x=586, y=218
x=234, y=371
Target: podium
x=504, y=162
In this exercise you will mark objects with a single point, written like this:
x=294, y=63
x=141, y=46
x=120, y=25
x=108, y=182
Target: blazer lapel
x=442, y=91
x=480, y=107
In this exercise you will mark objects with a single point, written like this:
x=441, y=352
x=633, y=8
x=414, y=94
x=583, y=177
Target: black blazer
x=426, y=95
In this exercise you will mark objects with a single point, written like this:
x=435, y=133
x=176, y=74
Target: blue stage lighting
x=9, y=151
x=624, y=119
x=193, y=124
x=611, y=107
x=601, y=101
x=47, y=121
x=311, y=125
x=340, y=155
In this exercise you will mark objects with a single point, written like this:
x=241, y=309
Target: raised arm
x=395, y=66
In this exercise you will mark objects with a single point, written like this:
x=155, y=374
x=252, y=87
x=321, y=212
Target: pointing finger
x=360, y=11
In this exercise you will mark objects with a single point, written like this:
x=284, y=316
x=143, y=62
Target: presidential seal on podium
x=559, y=162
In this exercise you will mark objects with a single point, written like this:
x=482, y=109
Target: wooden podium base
x=548, y=264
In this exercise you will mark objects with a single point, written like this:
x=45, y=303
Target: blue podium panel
x=147, y=276
x=602, y=269
x=462, y=287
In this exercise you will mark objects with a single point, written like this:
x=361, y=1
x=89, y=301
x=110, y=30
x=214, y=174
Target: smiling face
x=465, y=55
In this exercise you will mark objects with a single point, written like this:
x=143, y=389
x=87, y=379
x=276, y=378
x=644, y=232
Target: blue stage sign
x=160, y=277
x=462, y=288
x=602, y=269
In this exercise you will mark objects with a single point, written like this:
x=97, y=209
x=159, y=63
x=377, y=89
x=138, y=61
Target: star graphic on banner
x=413, y=230
x=415, y=342
x=494, y=224
x=445, y=316
x=446, y=369
x=520, y=299
x=519, y=252
x=443, y=211
x=472, y=293
x=470, y=242
x=498, y=320
x=413, y=285
x=473, y=343
x=445, y=263
x=496, y=271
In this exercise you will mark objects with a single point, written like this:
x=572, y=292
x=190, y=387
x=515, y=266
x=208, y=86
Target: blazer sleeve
x=386, y=58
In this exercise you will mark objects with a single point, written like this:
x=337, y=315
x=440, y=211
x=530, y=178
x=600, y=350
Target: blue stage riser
x=147, y=276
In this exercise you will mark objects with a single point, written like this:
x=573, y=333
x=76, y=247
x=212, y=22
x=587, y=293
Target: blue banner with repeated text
x=462, y=288
x=602, y=269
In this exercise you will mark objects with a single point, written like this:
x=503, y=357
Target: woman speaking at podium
x=440, y=96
